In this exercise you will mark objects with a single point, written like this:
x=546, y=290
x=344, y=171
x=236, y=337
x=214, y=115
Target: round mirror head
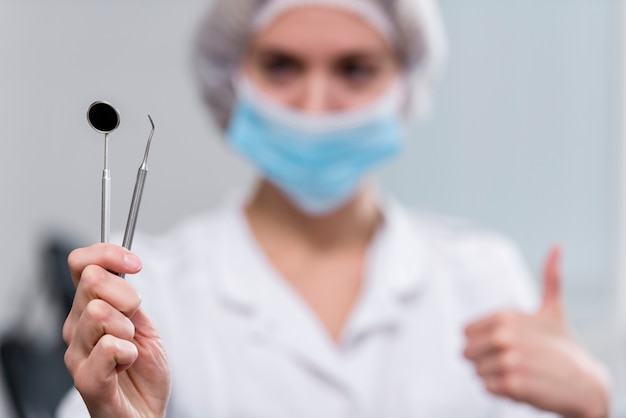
x=103, y=117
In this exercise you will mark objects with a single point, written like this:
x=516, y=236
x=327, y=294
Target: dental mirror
x=104, y=118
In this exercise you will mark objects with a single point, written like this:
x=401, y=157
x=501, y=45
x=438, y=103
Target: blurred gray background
x=525, y=137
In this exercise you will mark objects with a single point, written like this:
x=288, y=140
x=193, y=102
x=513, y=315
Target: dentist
x=315, y=295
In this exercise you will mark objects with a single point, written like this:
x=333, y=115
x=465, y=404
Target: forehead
x=320, y=31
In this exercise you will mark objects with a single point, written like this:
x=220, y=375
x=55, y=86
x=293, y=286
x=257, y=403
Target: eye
x=356, y=70
x=279, y=66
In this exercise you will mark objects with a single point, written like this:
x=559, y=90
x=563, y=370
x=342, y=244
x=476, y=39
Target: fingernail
x=132, y=261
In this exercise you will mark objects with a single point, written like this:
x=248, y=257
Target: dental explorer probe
x=104, y=119
x=137, y=193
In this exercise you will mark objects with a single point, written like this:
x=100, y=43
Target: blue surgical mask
x=317, y=161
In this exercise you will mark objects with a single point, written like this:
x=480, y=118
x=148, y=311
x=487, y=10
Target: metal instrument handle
x=135, y=203
x=134, y=208
x=105, y=215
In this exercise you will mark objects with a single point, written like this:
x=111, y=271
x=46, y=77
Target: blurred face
x=321, y=60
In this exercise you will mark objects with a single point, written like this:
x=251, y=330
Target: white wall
x=524, y=137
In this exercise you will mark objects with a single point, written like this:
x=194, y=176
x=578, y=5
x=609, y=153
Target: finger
x=488, y=343
x=487, y=325
x=110, y=257
x=98, y=283
x=506, y=385
x=493, y=384
x=551, y=304
x=96, y=379
x=498, y=363
x=481, y=326
x=98, y=319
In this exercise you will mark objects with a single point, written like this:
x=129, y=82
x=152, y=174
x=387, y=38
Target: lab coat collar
x=397, y=263
x=250, y=285
x=397, y=259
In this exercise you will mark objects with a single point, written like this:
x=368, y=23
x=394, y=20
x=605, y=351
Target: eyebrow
x=352, y=54
x=275, y=52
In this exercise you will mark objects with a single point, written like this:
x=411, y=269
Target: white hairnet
x=224, y=34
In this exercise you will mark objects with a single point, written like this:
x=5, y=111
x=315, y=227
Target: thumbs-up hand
x=551, y=304
x=532, y=358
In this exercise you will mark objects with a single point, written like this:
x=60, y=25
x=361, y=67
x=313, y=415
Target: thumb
x=551, y=304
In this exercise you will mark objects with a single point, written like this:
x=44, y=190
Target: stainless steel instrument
x=104, y=119
x=137, y=193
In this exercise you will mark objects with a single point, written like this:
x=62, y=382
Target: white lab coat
x=241, y=343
